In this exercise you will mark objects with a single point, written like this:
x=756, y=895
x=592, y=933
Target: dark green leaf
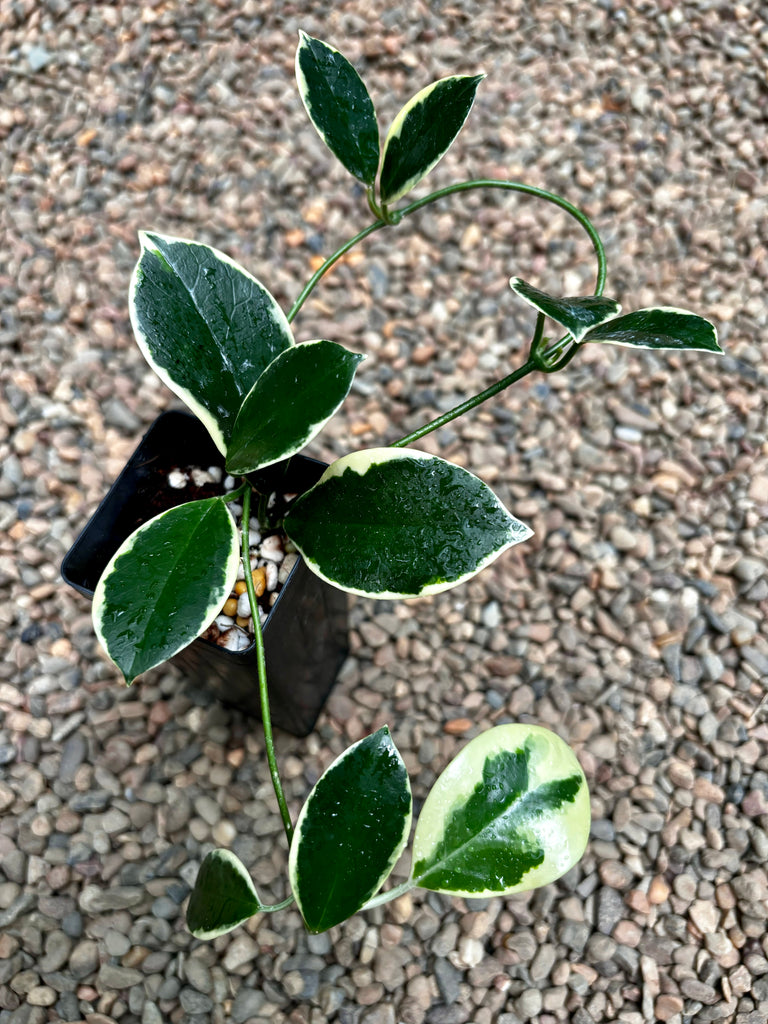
x=291, y=402
x=207, y=328
x=660, y=328
x=576, y=314
x=166, y=584
x=223, y=897
x=391, y=522
x=350, y=832
x=423, y=131
x=510, y=813
x=339, y=106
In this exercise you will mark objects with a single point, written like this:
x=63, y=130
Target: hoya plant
x=511, y=812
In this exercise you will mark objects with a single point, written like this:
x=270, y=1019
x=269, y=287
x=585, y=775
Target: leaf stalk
x=258, y=637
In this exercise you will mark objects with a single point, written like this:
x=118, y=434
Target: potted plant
x=512, y=811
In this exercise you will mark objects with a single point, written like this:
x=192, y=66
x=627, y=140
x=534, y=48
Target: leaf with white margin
x=423, y=131
x=394, y=522
x=659, y=327
x=511, y=812
x=205, y=325
x=577, y=314
x=223, y=897
x=350, y=832
x=166, y=584
x=339, y=106
x=290, y=403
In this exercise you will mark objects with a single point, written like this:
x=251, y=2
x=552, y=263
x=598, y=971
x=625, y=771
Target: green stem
x=388, y=218
x=270, y=908
x=262, y=672
x=531, y=190
x=550, y=357
x=483, y=396
x=309, y=287
x=470, y=403
x=235, y=495
x=390, y=894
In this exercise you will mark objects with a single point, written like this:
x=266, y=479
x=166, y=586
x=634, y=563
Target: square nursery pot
x=305, y=634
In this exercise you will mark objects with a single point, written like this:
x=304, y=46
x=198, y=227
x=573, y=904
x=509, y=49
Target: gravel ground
x=634, y=622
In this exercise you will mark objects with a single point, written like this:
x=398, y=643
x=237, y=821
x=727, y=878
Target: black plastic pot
x=305, y=634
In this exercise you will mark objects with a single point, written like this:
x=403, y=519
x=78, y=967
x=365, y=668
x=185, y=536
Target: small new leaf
x=205, y=326
x=351, y=832
x=166, y=584
x=393, y=522
x=510, y=813
x=660, y=327
x=339, y=106
x=577, y=314
x=423, y=131
x=224, y=896
x=290, y=403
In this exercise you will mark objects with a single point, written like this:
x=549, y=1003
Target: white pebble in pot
x=272, y=548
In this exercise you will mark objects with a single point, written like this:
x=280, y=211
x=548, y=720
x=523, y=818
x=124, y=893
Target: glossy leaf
x=391, y=522
x=224, y=896
x=510, y=812
x=290, y=403
x=659, y=327
x=339, y=106
x=207, y=328
x=166, y=584
x=351, y=832
x=576, y=314
x=423, y=131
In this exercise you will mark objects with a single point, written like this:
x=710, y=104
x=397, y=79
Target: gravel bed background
x=634, y=622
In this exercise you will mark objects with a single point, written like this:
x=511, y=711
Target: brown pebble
x=627, y=933
x=708, y=790
x=638, y=900
x=658, y=891
x=705, y=916
x=615, y=875
x=667, y=1006
x=259, y=577
x=457, y=726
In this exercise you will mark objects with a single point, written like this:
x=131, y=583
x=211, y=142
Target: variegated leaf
x=166, y=584
x=660, y=327
x=511, y=812
x=224, y=896
x=351, y=832
x=393, y=522
x=290, y=403
x=205, y=325
x=339, y=106
x=423, y=131
x=576, y=314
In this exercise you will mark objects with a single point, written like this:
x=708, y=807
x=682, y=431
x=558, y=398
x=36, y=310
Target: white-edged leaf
x=511, y=812
x=205, y=325
x=659, y=327
x=577, y=314
x=223, y=896
x=350, y=832
x=339, y=106
x=394, y=522
x=166, y=584
x=423, y=131
x=290, y=403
